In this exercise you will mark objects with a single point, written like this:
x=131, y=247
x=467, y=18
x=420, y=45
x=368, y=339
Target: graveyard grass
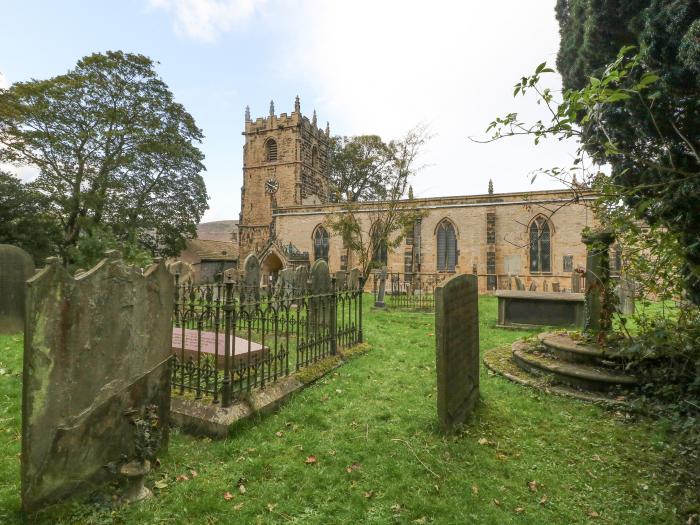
x=362, y=446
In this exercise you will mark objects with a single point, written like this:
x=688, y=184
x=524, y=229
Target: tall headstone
x=354, y=279
x=285, y=284
x=301, y=280
x=341, y=280
x=533, y=286
x=379, y=303
x=626, y=291
x=576, y=282
x=320, y=278
x=96, y=352
x=319, y=302
x=556, y=287
x=250, y=281
x=457, y=348
x=16, y=266
x=598, y=311
x=519, y=284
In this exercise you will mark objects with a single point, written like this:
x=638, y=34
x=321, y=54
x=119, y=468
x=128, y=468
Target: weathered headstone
x=354, y=279
x=626, y=291
x=184, y=271
x=519, y=284
x=301, y=280
x=341, y=283
x=285, y=282
x=576, y=282
x=250, y=281
x=319, y=303
x=16, y=266
x=96, y=350
x=555, y=287
x=598, y=318
x=545, y=286
x=457, y=348
x=533, y=286
x=379, y=303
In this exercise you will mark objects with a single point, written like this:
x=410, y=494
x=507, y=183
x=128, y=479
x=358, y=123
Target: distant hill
x=218, y=231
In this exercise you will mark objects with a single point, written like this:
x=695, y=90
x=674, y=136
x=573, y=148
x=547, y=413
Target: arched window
x=271, y=150
x=314, y=157
x=380, y=253
x=446, y=247
x=540, y=245
x=321, y=241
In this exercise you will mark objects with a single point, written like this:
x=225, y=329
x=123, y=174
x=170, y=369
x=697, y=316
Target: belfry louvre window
x=446, y=247
x=540, y=246
x=271, y=150
x=321, y=239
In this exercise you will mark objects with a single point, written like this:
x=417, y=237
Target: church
x=535, y=236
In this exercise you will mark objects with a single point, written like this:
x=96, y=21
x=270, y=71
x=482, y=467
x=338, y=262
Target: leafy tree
x=116, y=154
x=367, y=232
x=359, y=168
x=23, y=219
x=652, y=142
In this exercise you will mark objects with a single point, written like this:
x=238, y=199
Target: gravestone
x=555, y=287
x=183, y=269
x=319, y=302
x=341, y=280
x=16, y=266
x=379, y=303
x=301, y=280
x=354, y=279
x=457, y=348
x=626, y=291
x=519, y=284
x=576, y=282
x=285, y=283
x=96, y=352
x=545, y=286
x=250, y=282
x=533, y=286
x=598, y=318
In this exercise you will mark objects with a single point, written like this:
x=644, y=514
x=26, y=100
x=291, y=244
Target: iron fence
x=230, y=338
x=412, y=291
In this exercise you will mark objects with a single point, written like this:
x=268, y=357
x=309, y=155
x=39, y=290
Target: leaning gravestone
x=379, y=303
x=457, y=348
x=16, y=266
x=354, y=279
x=96, y=352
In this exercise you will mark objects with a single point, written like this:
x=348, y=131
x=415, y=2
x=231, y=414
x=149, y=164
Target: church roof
x=213, y=250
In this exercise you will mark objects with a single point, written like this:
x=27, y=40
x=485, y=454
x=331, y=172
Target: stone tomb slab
x=519, y=308
x=208, y=341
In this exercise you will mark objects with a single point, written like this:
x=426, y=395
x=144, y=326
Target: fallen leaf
x=182, y=477
x=369, y=494
x=279, y=434
x=238, y=506
x=593, y=514
x=422, y=519
x=501, y=457
x=338, y=391
x=532, y=485
x=396, y=508
x=352, y=467
x=519, y=510
x=228, y=496
x=475, y=489
x=241, y=488
x=310, y=460
x=160, y=484
x=543, y=499
x=497, y=503
x=332, y=453
x=271, y=506
x=193, y=473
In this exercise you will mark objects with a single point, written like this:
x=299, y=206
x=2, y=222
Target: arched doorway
x=271, y=266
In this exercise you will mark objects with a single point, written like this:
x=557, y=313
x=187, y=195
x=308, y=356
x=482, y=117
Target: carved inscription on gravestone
x=457, y=349
x=96, y=347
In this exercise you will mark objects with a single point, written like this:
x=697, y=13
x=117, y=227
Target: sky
x=366, y=66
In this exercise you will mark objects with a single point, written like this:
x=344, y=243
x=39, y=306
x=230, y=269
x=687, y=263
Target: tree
x=23, y=219
x=369, y=231
x=359, y=168
x=652, y=142
x=116, y=154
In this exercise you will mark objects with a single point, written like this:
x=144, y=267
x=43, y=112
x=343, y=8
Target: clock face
x=271, y=186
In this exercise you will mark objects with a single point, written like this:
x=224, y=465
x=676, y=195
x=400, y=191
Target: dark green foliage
x=359, y=168
x=115, y=152
x=25, y=219
x=655, y=161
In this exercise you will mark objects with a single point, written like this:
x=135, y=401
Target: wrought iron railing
x=412, y=291
x=231, y=338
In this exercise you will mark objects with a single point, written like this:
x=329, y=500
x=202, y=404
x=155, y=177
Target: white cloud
x=382, y=67
x=4, y=82
x=205, y=19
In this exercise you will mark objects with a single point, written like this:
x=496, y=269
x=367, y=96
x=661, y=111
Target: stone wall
x=511, y=215
x=96, y=348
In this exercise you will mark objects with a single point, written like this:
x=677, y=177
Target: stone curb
x=556, y=390
x=202, y=418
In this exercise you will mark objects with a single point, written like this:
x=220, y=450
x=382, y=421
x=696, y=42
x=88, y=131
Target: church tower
x=285, y=163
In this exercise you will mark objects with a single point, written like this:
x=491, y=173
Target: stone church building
x=284, y=203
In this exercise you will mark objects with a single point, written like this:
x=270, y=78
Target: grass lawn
x=525, y=457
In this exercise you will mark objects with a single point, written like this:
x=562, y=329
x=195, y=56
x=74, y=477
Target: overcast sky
x=367, y=66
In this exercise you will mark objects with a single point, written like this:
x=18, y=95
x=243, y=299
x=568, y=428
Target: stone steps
x=594, y=378
x=566, y=349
